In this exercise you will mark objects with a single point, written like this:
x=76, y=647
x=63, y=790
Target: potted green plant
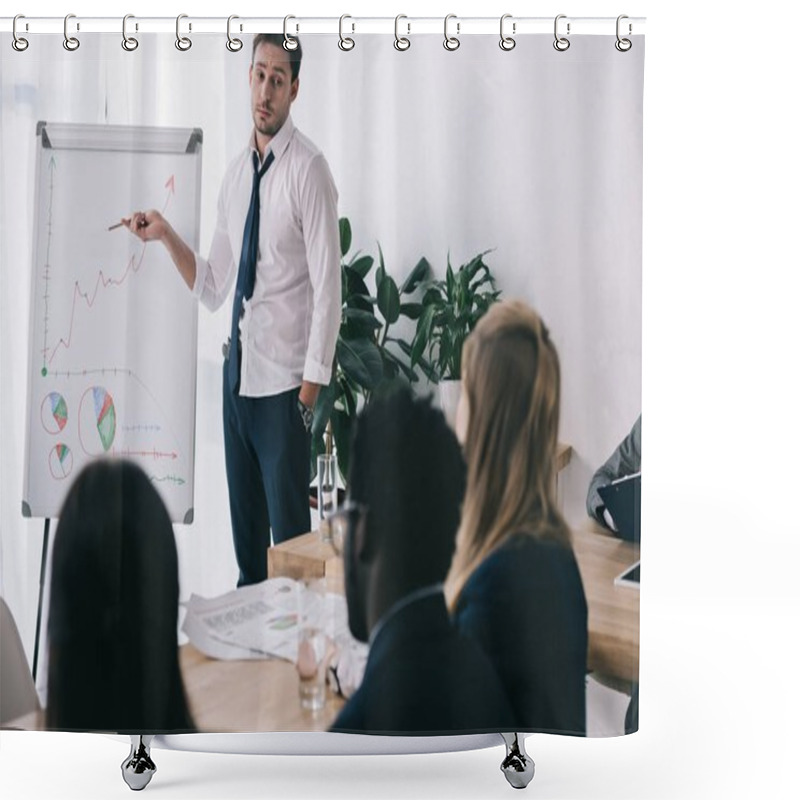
x=451, y=307
x=371, y=357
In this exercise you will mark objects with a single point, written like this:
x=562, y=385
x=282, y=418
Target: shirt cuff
x=316, y=372
x=201, y=270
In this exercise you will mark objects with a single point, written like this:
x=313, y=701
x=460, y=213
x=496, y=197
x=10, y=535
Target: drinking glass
x=312, y=643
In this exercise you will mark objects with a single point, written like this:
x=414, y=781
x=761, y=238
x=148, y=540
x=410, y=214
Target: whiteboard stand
x=42, y=574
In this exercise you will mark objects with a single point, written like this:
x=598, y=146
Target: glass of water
x=327, y=495
x=312, y=643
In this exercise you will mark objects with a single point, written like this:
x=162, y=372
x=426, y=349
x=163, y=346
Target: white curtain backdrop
x=533, y=153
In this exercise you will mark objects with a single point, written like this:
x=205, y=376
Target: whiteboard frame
x=117, y=138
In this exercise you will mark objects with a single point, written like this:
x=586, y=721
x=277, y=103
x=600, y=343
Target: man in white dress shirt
x=277, y=241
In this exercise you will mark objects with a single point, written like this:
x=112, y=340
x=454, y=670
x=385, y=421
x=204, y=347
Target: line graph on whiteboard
x=80, y=296
x=112, y=320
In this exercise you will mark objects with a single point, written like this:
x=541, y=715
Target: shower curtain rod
x=349, y=25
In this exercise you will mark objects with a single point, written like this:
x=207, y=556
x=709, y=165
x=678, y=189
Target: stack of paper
x=260, y=621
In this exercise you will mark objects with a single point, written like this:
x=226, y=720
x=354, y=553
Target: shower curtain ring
x=233, y=45
x=19, y=43
x=70, y=42
x=623, y=45
x=129, y=43
x=288, y=42
x=561, y=43
x=346, y=43
x=507, y=42
x=401, y=42
x=183, y=43
x=451, y=42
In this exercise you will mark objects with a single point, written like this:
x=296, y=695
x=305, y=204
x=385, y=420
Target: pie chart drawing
x=54, y=413
x=60, y=461
x=97, y=421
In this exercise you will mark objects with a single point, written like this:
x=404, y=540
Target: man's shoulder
x=309, y=165
x=303, y=147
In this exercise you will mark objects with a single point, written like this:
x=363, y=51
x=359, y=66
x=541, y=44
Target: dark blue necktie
x=246, y=278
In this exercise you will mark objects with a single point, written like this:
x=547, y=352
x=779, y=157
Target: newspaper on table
x=260, y=621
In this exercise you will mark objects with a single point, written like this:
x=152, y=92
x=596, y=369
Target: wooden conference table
x=262, y=695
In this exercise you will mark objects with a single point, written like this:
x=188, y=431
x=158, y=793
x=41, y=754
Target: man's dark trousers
x=267, y=456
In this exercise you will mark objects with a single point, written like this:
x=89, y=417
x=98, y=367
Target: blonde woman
x=514, y=584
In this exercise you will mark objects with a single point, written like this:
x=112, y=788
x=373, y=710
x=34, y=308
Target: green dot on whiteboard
x=44, y=372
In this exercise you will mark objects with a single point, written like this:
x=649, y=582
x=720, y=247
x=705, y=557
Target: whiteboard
x=112, y=364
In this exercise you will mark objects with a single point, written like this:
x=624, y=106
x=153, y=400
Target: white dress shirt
x=289, y=326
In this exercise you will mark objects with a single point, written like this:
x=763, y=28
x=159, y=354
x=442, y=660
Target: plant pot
x=449, y=394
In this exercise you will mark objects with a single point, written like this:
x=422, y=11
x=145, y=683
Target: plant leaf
x=434, y=295
x=411, y=376
x=364, y=320
x=487, y=278
x=349, y=400
x=411, y=310
x=360, y=361
x=389, y=299
x=362, y=265
x=381, y=271
x=355, y=283
x=422, y=335
x=345, y=235
x=360, y=302
x=342, y=425
x=450, y=281
x=417, y=275
x=390, y=368
x=471, y=268
x=324, y=408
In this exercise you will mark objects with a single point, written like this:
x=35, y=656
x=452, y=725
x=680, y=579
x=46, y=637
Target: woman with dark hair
x=113, y=649
x=514, y=584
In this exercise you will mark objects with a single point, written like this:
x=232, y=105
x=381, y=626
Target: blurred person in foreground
x=406, y=485
x=113, y=621
x=514, y=585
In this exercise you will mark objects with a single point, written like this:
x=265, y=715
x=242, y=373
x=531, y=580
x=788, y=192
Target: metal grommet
x=561, y=43
x=346, y=43
x=451, y=43
x=288, y=42
x=70, y=42
x=401, y=42
x=129, y=43
x=507, y=42
x=19, y=43
x=233, y=45
x=623, y=45
x=183, y=43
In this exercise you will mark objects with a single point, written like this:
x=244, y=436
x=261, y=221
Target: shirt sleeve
x=625, y=460
x=214, y=275
x=321, y=232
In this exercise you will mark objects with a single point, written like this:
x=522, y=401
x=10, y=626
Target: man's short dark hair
x=295, y=56
x=406, y=466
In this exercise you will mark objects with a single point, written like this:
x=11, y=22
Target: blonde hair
x=511, y=377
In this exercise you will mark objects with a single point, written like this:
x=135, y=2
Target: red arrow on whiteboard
x=170, y=184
